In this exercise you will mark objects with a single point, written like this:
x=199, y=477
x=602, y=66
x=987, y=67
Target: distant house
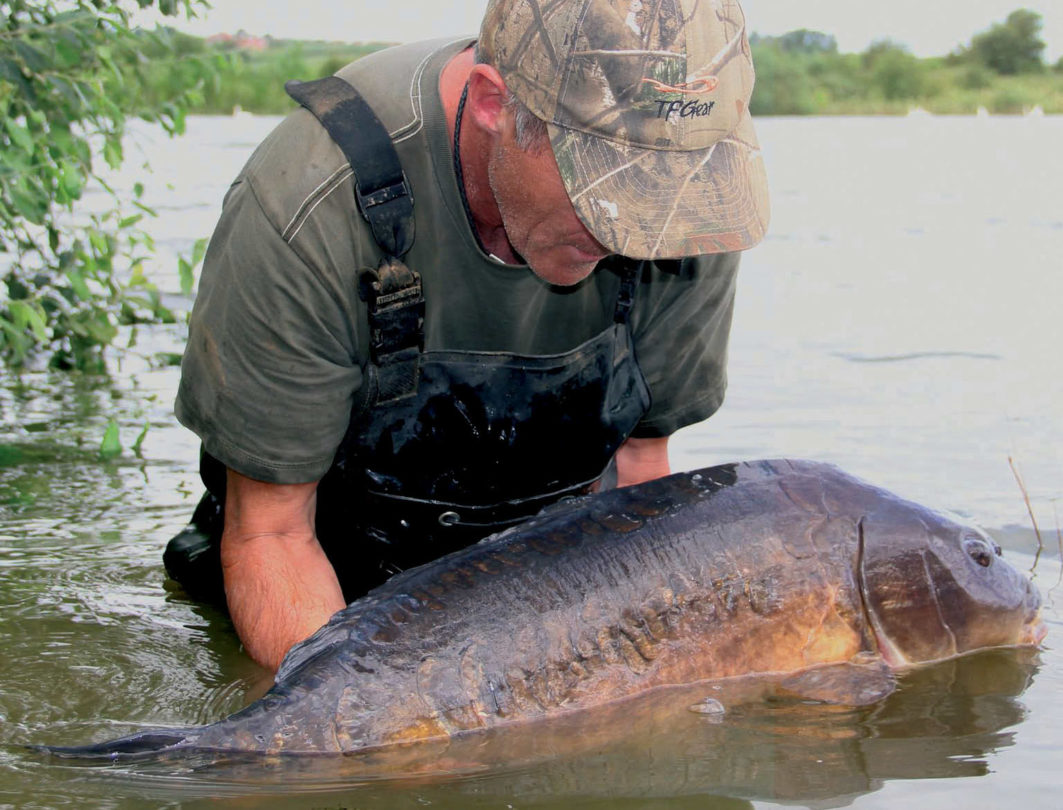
x=241, y=41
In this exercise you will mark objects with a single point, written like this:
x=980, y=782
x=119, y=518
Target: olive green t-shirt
x=278, y=336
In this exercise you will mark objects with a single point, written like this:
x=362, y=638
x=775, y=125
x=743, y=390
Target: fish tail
x=141, y=744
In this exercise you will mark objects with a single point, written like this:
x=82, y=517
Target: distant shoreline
x=798, y=74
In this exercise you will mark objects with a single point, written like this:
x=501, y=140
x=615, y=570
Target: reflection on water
x=901, y=320
x=943, y=722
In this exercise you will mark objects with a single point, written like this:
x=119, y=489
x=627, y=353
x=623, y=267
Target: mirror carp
x=770, y=568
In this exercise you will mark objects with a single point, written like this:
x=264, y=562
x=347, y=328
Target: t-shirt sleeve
x=269, y=371
x=681, y=330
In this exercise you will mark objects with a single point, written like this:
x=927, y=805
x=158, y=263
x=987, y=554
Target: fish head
x=934, y=588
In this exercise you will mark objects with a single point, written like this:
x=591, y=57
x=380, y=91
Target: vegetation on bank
x=249, y=72
x=1001, y=71
x=800, y=73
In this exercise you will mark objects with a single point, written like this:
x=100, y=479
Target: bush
x=783, y=86
x=1010, y=101
x=70, y=73
x=975, y=77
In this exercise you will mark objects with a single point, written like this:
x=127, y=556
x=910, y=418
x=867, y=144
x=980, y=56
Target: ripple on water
x=93, y=621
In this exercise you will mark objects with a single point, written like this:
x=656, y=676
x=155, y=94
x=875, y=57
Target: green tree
x=805, y=41
x=70, y=75
x=894, y=73
x=1014, y=46
x=783, y=85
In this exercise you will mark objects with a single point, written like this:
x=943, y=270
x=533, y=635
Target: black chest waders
x=450, y=446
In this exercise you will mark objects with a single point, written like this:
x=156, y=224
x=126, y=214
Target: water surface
x=901, y=320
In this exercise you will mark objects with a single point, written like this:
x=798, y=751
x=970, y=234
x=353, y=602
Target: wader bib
x=445, y=447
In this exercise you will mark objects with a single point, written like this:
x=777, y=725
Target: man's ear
x=485, y=104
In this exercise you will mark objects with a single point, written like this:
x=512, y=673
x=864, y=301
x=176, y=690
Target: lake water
x=901, y=320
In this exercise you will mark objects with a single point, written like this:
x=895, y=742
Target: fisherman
x=499, y=274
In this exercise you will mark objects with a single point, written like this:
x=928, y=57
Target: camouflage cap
x=647, y=105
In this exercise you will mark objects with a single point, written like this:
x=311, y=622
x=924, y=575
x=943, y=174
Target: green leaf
x=137, y=278
x=111, y=446
x=10, y=71
x=71, y=180
x=101, y=330
x=28, y=201
x=69, y=48
x=199, y=250
x=31, y=57
x=112, y=152
x=20, y=136
x=100, y=243
x=25, y=316
x=138, y=443
x=164, y=359
x=78, y=285
x=184, y=269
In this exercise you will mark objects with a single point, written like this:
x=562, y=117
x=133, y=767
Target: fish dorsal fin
x=852, y=683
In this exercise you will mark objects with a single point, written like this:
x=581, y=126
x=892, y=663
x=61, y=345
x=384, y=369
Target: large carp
x=762, y=568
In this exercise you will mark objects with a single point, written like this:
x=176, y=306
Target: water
x=901, y=320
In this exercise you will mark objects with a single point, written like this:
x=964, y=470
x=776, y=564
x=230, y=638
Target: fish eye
x=980, y=551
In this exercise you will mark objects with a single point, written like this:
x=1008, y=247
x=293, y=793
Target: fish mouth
x=1033, y=634
x=1034, y=628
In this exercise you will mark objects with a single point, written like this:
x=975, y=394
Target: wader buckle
x=395, y=303
x=379, y=179
x=381, y=196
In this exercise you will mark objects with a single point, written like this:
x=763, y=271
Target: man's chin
x=565, y=275
x=570, y=267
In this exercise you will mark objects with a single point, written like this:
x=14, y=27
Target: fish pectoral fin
x=845, y=684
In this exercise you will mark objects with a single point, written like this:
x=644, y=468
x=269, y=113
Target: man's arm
x=640, y=460
x=279, y=584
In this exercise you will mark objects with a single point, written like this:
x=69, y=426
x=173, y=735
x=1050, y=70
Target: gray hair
x=531, y=135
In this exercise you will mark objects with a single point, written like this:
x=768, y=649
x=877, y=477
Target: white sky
x=927, y=27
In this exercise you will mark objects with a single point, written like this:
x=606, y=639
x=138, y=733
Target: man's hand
x=279, y=584
x=640, y=460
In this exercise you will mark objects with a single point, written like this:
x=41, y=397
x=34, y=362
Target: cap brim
x=662, y=204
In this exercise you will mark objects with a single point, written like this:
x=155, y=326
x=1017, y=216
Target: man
x=340, y=448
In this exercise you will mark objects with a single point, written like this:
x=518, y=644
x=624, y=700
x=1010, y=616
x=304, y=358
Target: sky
x=926, y=27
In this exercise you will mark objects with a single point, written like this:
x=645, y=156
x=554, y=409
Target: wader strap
x=629, y=270
x=392, y=292
x=380, y=185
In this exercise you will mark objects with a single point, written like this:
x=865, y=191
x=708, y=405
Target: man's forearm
x=279, y=585
x=640, y=460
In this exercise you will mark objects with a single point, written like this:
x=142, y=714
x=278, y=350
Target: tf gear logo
x=684, y=109
x=696, y=87
x=667, y=108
